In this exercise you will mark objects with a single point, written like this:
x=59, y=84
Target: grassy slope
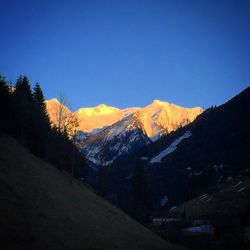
x=233, y=199
x=39, y=209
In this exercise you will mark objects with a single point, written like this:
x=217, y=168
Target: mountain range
x=107, y=134
x=185, y=151
x=184, y=163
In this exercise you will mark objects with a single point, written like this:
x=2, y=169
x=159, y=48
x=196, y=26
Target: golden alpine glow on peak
x=155, y=118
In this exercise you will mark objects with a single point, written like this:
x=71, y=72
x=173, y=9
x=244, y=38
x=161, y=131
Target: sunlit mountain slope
x=156, y=118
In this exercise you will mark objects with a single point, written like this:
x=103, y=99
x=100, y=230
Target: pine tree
x=40, y=100
x=23, y=107
x=41, y=123
x=5, y=106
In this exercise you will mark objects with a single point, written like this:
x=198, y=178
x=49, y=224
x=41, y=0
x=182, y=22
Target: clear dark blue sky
x=127, y=53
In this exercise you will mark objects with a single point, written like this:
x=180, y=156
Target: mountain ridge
x=103, y=115
x=107, y=133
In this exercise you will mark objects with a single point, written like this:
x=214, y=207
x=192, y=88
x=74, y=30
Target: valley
x=125, y=125
x=187, y=155
x=181, y=173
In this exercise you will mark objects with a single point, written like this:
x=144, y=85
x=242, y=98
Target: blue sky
x=128, y=53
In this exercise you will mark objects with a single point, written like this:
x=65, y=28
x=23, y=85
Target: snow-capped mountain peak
x=161, y=117
x=159, y=102
x=108, y=133
x=101, y=109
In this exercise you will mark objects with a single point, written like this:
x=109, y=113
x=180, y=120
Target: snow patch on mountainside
x=171, y=148
x=117, y=140
x=200, y=229
x=121, y=128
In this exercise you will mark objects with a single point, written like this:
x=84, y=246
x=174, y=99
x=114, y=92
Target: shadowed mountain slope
x=41, y=210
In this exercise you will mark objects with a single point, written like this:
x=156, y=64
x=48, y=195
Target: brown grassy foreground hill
x=39, y=209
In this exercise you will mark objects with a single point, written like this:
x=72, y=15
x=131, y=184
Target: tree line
x=24, y=116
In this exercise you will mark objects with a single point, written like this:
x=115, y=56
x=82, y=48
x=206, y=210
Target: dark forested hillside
x=24, y=116
x=218, y=148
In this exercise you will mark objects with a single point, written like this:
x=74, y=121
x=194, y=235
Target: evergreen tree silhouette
x=23, y=107
x=41, y=123
x=24, y=115
x=5, y=106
